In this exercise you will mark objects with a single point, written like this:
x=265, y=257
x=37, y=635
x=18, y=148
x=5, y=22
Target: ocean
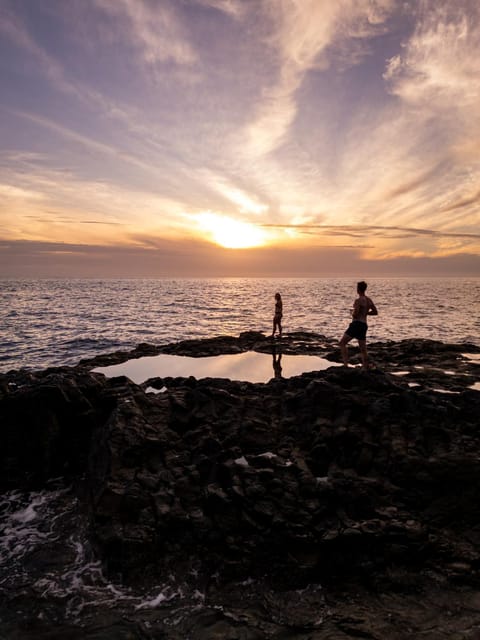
x=58, y=322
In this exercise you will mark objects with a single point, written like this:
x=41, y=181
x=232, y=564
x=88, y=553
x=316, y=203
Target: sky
x=151, y=138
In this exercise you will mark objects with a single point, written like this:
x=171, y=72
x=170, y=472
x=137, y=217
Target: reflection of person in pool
x=277, y=363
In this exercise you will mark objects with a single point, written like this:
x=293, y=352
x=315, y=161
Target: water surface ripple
x=59, y=322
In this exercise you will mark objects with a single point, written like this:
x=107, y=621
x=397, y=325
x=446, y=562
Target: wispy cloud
x=83, y=140
x=305, y=34
x=13, y=28
x=153, y=29
x=16, y=31
x=234, y=8
x=41, y=203
x=157, y=34
x=10, y=192
x=98, y=147
x=436, y=76
x=381, y=242
x=464, y=202
x=244, y=201
x=439, y=64
x=359, y=231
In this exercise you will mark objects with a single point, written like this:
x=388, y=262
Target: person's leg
x=280, y=327
x=343, y=348
x=273, y=328
x=363, y=353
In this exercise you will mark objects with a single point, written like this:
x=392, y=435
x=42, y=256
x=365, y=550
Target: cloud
x=199, y=259
x=390, y=160
x=108, y=222
x=153, y=29
x=359, y=231
x=14, y=29
x=157, y=34
x=41, y=203
x=438, y=67
x=10, y=193
x=464, y=202
x=412, y=185
x=386, y=242
x=306, y=34
x=86, y=141
x=234, y=8
x=282, y=128
x=245, y=202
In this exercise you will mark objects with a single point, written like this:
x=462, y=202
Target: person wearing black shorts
x=362, y=307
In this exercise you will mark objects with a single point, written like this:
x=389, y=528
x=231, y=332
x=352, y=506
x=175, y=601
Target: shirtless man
x=362, y=307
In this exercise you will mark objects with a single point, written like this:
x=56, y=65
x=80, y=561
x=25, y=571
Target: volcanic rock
x=363, y=482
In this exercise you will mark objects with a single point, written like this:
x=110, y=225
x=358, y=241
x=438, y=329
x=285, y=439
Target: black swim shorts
x=357, y=329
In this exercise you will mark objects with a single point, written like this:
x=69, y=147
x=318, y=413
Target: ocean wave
x=63, y=321
x=45, y=544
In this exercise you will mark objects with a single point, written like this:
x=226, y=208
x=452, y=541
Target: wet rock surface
x=337, y=504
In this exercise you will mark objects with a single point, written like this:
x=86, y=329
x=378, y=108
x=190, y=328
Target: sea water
x=59, y=322
x=44, y=542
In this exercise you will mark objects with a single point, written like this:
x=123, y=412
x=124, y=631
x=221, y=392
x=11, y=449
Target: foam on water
x=163, y=596
x=155, y=391
x=43, y=542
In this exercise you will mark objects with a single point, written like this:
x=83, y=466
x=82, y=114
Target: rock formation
x=336, y=504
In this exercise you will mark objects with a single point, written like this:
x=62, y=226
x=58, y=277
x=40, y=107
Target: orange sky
x=223, y=137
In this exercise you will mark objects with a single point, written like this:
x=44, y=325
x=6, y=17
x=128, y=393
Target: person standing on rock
x=362, y=307
x=277, y=318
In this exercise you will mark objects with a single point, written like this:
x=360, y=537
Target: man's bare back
x=362, y=307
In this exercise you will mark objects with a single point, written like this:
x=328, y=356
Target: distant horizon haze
x=44, y=260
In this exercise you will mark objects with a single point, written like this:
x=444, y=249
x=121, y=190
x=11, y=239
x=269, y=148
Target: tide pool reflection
x=277, y=363
x=249, y=367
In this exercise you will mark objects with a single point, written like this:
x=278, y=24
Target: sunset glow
x=231, y=234
x=303, y=126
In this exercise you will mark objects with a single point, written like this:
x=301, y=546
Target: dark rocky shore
x=337, y=504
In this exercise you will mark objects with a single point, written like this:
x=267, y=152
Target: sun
x=230, y=233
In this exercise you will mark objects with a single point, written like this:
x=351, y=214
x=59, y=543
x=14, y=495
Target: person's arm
x=372, y=309
x=356, y=309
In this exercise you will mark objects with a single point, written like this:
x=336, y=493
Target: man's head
x=361, y=287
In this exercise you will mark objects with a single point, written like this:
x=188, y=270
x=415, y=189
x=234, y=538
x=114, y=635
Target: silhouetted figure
x=362, y=307
x=277, y=363
x=277, y=318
